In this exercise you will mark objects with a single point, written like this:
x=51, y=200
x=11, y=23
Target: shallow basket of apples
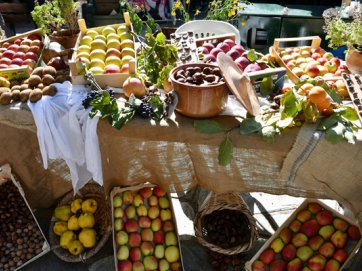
x=81, y=224
x=145, y=233
x=314, y=238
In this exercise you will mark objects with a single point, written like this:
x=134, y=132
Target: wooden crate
x=135, y=190
x=112, y=80
x=6, y=176
x=351, y=247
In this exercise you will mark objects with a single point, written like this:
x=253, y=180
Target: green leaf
x=332, y=92
x=209, y=127
x=349, y=135
x=285, y=122
x=335, y=133
x=250, y=125
x=119, y=119
x=350, y=113
x=289, y=104
x=252, y=55
x=134, y=102
x=328, y=123
x=225, y=151
x=268, y=133
x=157, y=107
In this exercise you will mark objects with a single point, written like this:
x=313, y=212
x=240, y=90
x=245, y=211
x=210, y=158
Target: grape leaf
x=225, y=151
x=250, y=125
x=209, y=127
x=289, y=104
x=103, y=109
x=336, y=133
x=134, y=102
x=349, y=135
x=157, y=107
x=328, y=123
x=119, y=119
x=268, y=133
x=350, y=113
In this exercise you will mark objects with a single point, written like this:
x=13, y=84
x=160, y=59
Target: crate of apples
x=307, y=61
x=144, y=229
x=314, y=238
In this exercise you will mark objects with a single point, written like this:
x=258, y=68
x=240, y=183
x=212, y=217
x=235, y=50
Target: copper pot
x=199, y=101
x=354, y=60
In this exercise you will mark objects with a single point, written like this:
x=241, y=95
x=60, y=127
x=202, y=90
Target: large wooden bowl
x=199, y=101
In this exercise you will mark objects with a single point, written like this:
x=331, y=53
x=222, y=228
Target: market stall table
x=173, y=154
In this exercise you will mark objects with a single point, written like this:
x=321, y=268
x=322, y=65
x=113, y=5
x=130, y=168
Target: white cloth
x=65, y=131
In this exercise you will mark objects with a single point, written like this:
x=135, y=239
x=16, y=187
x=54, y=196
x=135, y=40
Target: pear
x=66, y=238
x=60, y=227
x=63, y=213
x=76, y=205
x=88, y=237
x=86, y=220
x=90, y=206
x=75, y=247
x=73, y=224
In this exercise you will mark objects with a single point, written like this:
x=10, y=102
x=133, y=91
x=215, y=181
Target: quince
x=60, y=227
x=76, y=205
x=86, y=220
x=89, y=206
x=63, y=213
x=75, y=247
x=73, y=224
x=88, y=237
x=66, y=238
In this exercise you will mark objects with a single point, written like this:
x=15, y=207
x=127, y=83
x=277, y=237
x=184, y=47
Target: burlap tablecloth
x=176, y=156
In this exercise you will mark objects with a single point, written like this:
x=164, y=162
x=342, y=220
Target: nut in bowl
x=202, y=91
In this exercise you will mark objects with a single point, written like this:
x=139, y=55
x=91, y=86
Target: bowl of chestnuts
x=201, y=89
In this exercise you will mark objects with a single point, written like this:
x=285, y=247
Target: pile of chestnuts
x=222, y=262
x=201, y=76
x=20, y=237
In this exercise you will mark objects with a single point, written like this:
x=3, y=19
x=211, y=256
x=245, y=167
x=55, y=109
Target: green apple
x=121, y=238
x=107, y=30
x=159, y=251
x=170, y=238
x=117, y=201
x=163, y=265
x=123, y=253
x=92, y=33
x=172, y=254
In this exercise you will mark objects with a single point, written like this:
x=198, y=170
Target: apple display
x=353, y=232
x=8, y=54
x=130, y=212
x=339, y=239
x=131, y=225
x=98, y=44
x=324, y=217
x=159, y=251
x=118, y=212
x=112, y=36
x=111, y=68
x=134, y=239
x=141, y=211
x=172, y=254
x=327, y=250
x=125, y=36
x=340, y=224
x=168, y=226
x=299, y=239
x=124, y=68
x=288, y=253
x=295, y=265
x=153, y=212
x=310, y=228
x=327, y=231
x=159, y=237
x=124, y=265
x=123, y=253
x=340, y=255
x=278, y=264
x=152, y=200
x=315, y=242
x=144, y=222
x=267, y=256
x=147, y=248
x=20, y=55
x=135, y=254
x=127, y=197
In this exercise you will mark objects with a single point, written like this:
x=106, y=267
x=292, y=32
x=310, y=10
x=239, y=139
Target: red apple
x=324, y=217
x=159, y=237
x=20, y=55
x=144, y=222
x=223, y=46
x=209, y=58
x=16, y=61
x=354, y=232
x=208, y=46
x=113, y=52
x=267, y=256
x=299, y=239
x=239, y=48
x=134, y=239
x=9, y=54
x=317, y=262
x=35, y=49
x=310, y=228
x=124, y=265
x=234, y=54
x=332, y=265
x=278, y=264
x=340, y=255
x=34, y=36
x=202, y=50
x=295, y=265
x=112, y=68
x=146, y=192
x=230, y=42
x=31, y=55
x=295, y=225
x=215, y=51
x=243, y=61
x=336, y=60
x=14, y=47
x=5, y=60
x=339, y=239
x=315, y=56
x=315, y=242
x=258, y=266
x=327, y=250
x=18, y=41
x=158, y=192
x=286, y=235
x=288, y=253
x=3, y=66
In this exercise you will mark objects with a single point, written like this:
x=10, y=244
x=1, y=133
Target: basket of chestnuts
x=225, y=224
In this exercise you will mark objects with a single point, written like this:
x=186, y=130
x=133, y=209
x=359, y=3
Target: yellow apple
x=100, y=37
x=83, y=55
x=127, y=44
x=84, y=48
x=96, y=62
x=113, y=60
x=112, y=36
x=86, y=40
x=127, y=59
x=114, y=44
x=96, y=70
x=125, y=36
x=121, y=29
x=98, y=53
x=88, y=237
x=98, y=44
x=89, y=205
x=128, y=52
x=92, y=33
x=107, y=30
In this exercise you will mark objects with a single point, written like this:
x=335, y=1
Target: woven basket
x=229, y=201
x=103, y=224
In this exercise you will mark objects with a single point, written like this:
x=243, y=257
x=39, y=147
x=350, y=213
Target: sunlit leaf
x=350, y=136
x=225, y=151
x=336, y=133
x=119, y=119
x=209, y=127
x=328, y=123
x=350, y=113
x=268, y=133
x=250, y=125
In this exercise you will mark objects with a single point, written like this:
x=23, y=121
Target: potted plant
x=348, y=33
x=59, y=20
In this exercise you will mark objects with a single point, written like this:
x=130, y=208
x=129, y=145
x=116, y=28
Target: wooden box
x=135, y=190
x=350, y=248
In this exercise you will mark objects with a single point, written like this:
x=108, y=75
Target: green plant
x=56, y=15
x=222, y=10
x=340, y=32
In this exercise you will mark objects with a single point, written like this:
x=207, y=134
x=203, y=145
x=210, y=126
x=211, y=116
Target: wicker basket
x=229, y=201
x=102, y=217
